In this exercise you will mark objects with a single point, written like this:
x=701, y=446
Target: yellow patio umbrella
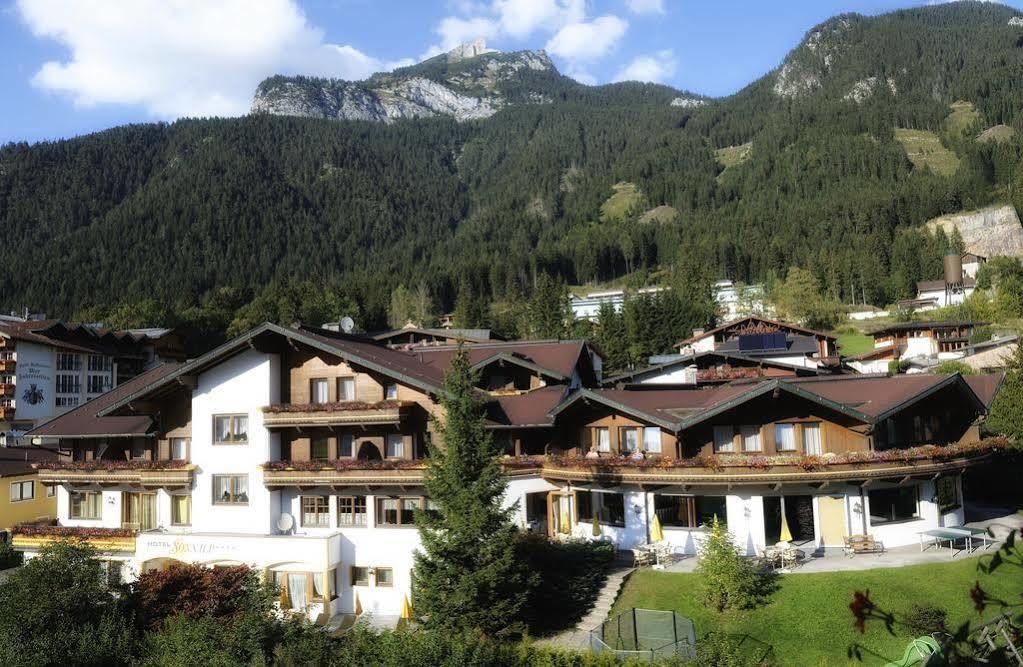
x=596, y=526
x=786, y=534
x=406, y=608
x=358, y=605
x=283, y=598
x=565, y=522
x=656, y=532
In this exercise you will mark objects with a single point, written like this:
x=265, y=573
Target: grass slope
x=807, y=620
x=854, y=343
x=924, y=149
x=963, y=117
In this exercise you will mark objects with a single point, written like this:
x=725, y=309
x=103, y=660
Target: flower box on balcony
x=331, y=414
x=141, y=472
x=35, y=536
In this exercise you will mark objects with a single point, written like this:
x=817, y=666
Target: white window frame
x=184, y=442
x=232, y=429
x=234, y=490
x=20, y=486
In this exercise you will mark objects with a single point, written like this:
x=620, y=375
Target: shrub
x=9, y=556
x=951, y=366
x=717, y=649
x=925, y=619
x=729, y=581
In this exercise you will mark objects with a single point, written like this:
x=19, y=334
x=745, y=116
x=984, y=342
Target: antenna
x=347, y=324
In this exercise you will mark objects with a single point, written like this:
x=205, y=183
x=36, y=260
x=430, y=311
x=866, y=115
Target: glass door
x=138, y=510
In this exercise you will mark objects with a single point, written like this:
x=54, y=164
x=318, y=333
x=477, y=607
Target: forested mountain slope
x=820, y=181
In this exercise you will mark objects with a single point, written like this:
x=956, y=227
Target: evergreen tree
x=467, y=576
x=612, y=339
x=1006, y=415
x=471, y=309
x=548, y=312
x=400, y=311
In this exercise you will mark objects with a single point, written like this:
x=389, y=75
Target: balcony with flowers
x=34, y=536
x=357, y=413
x=717, y=469
x=146, y=473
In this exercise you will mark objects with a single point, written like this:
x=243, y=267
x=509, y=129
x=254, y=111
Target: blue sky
x=74, y=66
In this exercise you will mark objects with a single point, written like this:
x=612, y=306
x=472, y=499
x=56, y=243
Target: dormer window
x=319, y=390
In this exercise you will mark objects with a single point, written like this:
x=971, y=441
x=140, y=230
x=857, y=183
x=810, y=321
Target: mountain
x=478, y=170
x=468, y=82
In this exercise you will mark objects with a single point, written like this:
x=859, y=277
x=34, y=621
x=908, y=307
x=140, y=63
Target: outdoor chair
x=862, y=544
x=664, y=553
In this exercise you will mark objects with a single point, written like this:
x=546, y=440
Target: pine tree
x=467, y=576
x=1006, y=415
x=548, y=311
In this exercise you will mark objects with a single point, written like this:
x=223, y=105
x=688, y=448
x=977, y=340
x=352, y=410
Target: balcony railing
x=36, y=536
x=7, y=389
x=723, y=469
x=355, y=472
x=145, y=473
x=6, y=412
x=7, y=365
x=336, y=414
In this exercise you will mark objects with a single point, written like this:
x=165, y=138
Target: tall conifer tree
x=467, y=576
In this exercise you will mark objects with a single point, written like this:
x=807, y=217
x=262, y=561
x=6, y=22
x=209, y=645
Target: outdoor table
x=939, y=535
x=970, y=533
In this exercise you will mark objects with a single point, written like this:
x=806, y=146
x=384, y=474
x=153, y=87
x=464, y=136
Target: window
x=724, y=439
x=385, y=577
x=750, y=438
x=318, y=449
x=51, y=491
x=97, y=384
x=317, y=581
x=397, y=511
x=68, y=384
x=947, y=492
x=608, y=507
x=138, y=510
x=351, y=511
x=230, y=429
x=391, y=391
x=812, y=439
x=395, y=446
x=68, y=362
x=86, y=505
x=179, y=449
x=100, y=363
x=785, y=437
x=629, y=436
x=360, y=576
x=181, y=510
x=230, y=489
x=66, y=401
x=346, y=389
x=319, y=390
x=652, y=439
x=315, y=511
x=603, y=439
x=689, y=511
x=890, y=505
x=346, y=445
x=23, y=491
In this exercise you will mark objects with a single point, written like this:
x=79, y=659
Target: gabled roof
x=555, y=358
x=18, y=461
x=526, y=410
x=85, y=422
x=468, y=335
x=695, y=359
x=939, y=285
x=360, y=351
x=85, y=338
x=986, y=386
x=792, y=328
x=794, y=345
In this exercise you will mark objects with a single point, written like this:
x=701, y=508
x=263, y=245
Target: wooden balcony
x=146, y=474
x=343, y=473
x=7, y=365
x=35, y=536
x=6, y=412
x=7, y=389
x=853, y=468
x=355, y=413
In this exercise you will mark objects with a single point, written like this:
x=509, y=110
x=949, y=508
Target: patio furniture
x=664, y=553
x=970, y=534
x=641, y=556
x=791, y=557
x=862, y=544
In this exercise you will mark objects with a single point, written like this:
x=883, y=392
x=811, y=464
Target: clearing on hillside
x=626, y=200
x=964, y=116
x=924, y=149
x=997, y=133
x=732, y=156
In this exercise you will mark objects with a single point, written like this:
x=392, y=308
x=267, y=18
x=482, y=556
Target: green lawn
x=807, y=620
x=924, y=148
x=853, y=343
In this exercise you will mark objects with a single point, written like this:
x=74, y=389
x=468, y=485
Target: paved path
x=579, y=637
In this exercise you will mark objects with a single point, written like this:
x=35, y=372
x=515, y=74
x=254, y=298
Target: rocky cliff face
x=989, y=232
x=466, y=83
x=804, y=69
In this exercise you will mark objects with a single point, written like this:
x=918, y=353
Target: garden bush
x=729, y=581
x=925, y=619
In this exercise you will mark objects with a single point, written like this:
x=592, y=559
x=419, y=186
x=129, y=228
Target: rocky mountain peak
x=469, y=50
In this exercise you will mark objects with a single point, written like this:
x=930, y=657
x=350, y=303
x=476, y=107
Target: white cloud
x=588, y=41
x=521, y=18
x=182, y=57
x=454, y=30
x=645, y=6
x=657, y=68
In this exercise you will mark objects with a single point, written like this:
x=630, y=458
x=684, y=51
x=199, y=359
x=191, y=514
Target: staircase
x=579, y=637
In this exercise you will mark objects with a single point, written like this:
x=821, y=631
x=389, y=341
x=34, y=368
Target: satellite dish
x=285, y=522
x=347, y=324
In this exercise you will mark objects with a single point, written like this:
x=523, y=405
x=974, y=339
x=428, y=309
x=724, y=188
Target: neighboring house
x=738, y=300
x=588, y=307
x=931, y=294
x=920, y=340
x=860, y=313
x=972, y=264
x=22, y=498
x=992, y=355
x=768, y=339
x=300, y=452
x=706, y=368
x=412, y=336
x=48, y=367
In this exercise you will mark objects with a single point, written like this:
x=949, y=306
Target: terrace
x=137, y=472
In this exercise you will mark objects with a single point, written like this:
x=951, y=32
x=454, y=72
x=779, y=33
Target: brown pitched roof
x=934, y=285
x=524, y=410
x=560, y=357
x=85, y=422
x=985, y=386
x=791, y=328
x=17, y=461
x=78, y=337
x=915, y=326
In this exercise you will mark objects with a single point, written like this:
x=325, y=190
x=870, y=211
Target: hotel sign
x=191, y=548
